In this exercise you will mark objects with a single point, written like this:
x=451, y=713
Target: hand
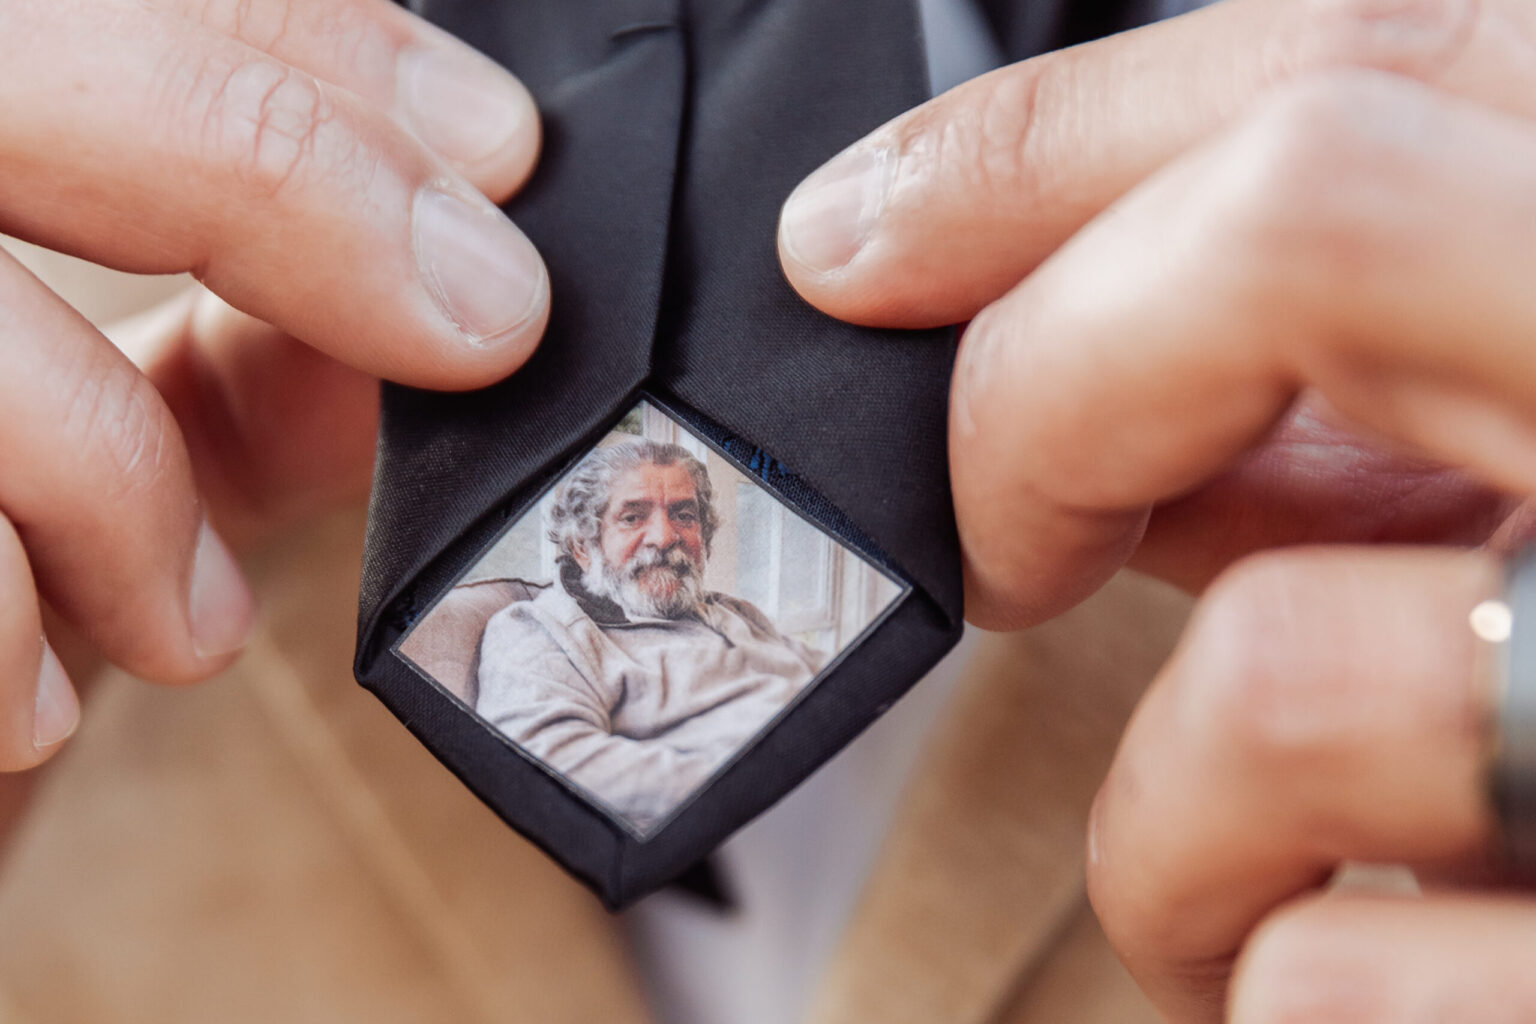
x=1325, y=706
x=1253, y=277
x=324, y=167
x=1251, y=219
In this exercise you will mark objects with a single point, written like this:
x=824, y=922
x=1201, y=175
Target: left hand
x=1251, y=278
x=331, y=168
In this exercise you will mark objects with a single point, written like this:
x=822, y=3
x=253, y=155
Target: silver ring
x=1512, y=770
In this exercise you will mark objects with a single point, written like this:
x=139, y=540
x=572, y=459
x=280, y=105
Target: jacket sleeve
x=535, y=695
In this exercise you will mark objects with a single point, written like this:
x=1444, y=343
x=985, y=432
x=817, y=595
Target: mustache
x=674, y=558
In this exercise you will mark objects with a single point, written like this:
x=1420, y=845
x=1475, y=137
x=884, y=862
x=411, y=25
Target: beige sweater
x=637, y=712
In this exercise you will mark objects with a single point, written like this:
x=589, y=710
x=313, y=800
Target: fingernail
x=481, y=269
x=463, y=106
x=56, y=712
x=830, y=217
x=220, y=607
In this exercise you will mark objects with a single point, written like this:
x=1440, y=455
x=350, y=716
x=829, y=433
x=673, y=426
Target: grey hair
x=576, y=518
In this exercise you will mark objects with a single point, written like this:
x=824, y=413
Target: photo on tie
x=648, y=618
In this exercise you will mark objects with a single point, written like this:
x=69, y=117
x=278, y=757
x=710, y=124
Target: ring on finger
x=1510, y=623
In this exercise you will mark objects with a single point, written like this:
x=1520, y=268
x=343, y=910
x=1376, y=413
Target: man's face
x=652, y=546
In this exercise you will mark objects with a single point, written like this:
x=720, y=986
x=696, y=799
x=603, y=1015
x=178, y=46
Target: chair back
x=446, y=644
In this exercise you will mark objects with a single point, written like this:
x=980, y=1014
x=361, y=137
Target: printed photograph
x=648, y=618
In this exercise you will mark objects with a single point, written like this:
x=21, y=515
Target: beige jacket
x=274, y=847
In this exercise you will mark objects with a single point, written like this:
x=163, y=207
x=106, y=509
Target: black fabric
x=673, y=132
x=708, y=883
x=672, y=137
x=1026, y=28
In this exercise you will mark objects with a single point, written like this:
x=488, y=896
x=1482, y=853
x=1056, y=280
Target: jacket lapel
x=495, y=918
x=292, y=854
x=982, y=874
x=1079, y=980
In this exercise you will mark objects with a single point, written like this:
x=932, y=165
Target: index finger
x=942, y=210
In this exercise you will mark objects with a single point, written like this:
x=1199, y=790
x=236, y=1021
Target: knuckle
x=274, y=116
x=1308, y=185
x=259, y=23
x=273, y=127
x=1249, y=683
x=983, y=136
x=1311, y=119
x=357, y=40
x=1320, y=131
x=118, y=414
x=1295, y=970
x=1418, y=38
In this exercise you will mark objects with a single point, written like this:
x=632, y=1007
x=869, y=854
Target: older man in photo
x=626, y=675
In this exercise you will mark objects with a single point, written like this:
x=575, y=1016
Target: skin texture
x=328, y=170
x=1251, y=277
x=1243, y=282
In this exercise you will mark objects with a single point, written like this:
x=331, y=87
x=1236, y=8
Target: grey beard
x=622, y=585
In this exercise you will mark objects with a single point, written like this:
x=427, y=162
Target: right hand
x=1213, y=312
x=321, y=165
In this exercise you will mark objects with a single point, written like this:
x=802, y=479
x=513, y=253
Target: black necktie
x=673, y=133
